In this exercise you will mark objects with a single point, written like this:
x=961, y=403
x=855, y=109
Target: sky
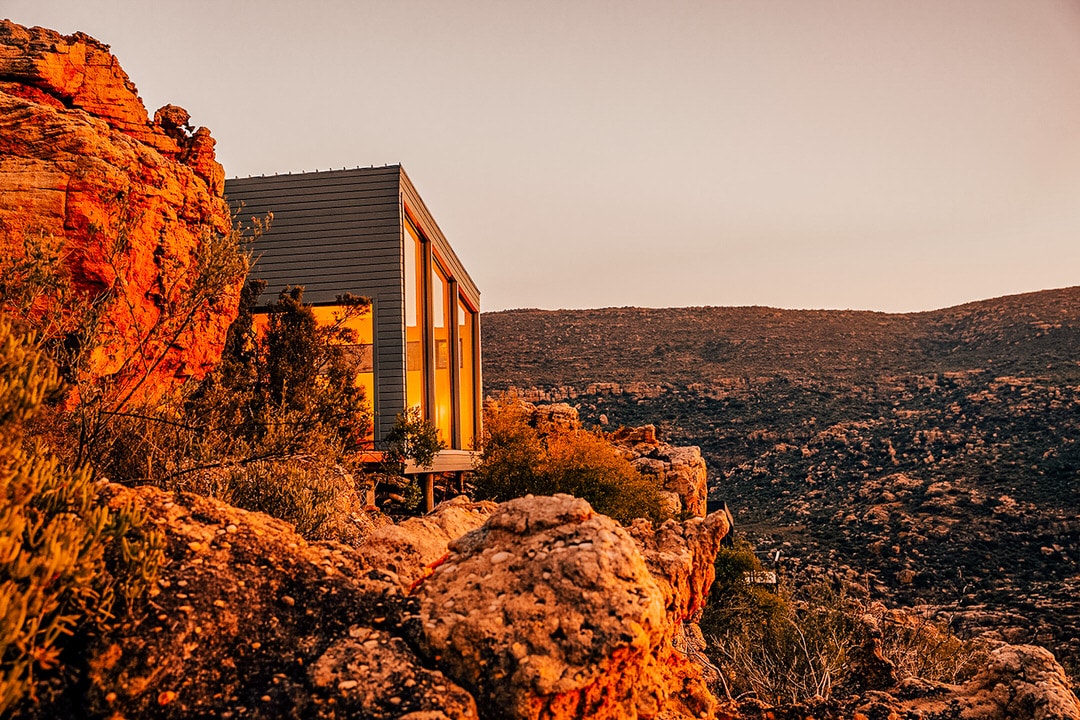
x=847, y=154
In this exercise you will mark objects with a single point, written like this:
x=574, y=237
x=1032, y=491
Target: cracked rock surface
x=551, y=611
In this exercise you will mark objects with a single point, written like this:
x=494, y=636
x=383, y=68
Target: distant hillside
x=937, y=454
x=547, y=348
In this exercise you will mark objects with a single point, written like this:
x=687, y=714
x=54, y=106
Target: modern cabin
x=367, y=232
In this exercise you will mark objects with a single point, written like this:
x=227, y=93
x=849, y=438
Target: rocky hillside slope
x=540, y=610
x=937, y=455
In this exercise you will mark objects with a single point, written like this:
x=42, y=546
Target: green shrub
x=288, y=393
x=519, y=459
x=317, y=497
x=67, y=561
x=306, y=368
x=513, y=456
x=411, y=438
x=585, y=465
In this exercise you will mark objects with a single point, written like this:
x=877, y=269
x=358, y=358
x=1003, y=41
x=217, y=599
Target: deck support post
x=427, y=481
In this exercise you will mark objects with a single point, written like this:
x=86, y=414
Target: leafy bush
x=67, y=561
x=319, y=498
x=794, y=643
x=519, y=459
x=411, y=438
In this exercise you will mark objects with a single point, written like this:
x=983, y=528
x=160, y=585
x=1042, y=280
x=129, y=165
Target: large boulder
x=410, y=549
x=550, y=610
x=133, y=206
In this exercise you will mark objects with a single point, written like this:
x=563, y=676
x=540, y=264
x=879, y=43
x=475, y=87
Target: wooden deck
x=445, y=461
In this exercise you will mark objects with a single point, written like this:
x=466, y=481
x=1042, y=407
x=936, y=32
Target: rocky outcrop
x=250, y=620
x=546, y=605
x=411, y=548
x=681, y=557
x=558, y=415
x=546, y=610
x=1020, y=682
x=131, y=206
x=680, y=471
x=552, y=611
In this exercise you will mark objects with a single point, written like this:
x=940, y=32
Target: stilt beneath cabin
x=427, y=481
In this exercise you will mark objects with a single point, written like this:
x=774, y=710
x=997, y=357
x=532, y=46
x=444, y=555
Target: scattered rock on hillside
x=130, y=203
x=550, y=611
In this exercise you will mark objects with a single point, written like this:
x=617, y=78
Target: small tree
x=305, y=369
x=412, y=438
x=272, y=429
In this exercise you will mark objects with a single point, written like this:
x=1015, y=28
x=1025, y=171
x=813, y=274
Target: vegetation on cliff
x=783, y=641
x=69, y=564
x=545, y=457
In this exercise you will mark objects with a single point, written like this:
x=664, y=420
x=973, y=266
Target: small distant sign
x=764, y=577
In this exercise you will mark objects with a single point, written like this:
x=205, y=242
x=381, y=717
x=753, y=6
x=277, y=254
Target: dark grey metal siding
x=336, y=232
x=341, y=231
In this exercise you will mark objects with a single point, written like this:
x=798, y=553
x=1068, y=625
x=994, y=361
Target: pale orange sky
x=841, y=154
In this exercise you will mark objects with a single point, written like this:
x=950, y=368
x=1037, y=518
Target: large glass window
x=466, y=319
x=361, y=346
x=442, y=377
x=441, y=318
x=414, y=320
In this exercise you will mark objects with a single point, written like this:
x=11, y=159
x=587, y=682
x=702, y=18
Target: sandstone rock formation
x=409, y=549
x=552, y=611
x=250, y=620
x=562, y=613
x=134, y=208
x=681, y=471
x=547, y=610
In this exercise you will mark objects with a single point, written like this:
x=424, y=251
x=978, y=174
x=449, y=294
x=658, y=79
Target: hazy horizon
x=778, y=307
x=850, y=155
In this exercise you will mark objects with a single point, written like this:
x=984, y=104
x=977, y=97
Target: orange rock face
x=550, y=611
x=133, y=207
